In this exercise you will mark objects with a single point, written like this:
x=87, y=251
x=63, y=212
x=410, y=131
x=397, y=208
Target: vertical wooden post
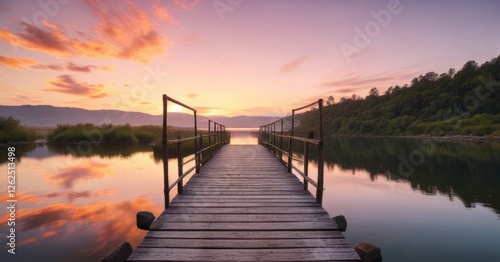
x=306, y=164
x=273, y=131
x=281, y=142
x=220, y=136
x=258, y=135
x=201, y=149
x=319, y=190
x=196, y=156
x=165, y=153
x=179, y=166
x=290, y=143
x=209, y=140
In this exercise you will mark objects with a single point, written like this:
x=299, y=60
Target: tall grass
x=108, y=133
x=11, y=131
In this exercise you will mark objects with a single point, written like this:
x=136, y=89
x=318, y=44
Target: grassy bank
x=11, y=131
x=107, y=133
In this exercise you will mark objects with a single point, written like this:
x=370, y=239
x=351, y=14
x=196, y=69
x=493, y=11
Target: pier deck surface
x=243, y=205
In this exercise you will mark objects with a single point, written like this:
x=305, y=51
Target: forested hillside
x=463, y=102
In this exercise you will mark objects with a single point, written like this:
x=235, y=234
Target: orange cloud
x=290, y=66
x=123, y=31
x=162, y=13
x=130, y=29
x=66, y=84
x=51, y=41
x=20, y=63
x=16, y=63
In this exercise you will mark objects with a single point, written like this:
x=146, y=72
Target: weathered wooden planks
x=244, y=206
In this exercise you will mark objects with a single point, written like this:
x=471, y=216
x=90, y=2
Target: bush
x=11, y=131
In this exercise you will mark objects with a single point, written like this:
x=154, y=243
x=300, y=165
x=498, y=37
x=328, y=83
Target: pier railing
x=275, y=139
x=216, y=135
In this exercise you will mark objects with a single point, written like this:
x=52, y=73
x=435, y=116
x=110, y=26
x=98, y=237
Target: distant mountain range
x=47, y=116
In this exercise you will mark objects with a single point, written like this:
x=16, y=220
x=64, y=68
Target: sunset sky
x=231, y=57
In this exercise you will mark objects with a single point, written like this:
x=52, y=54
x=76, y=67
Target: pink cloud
x=292, y=65
x=68, y=85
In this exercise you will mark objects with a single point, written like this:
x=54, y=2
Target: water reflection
x=80, y=206
x=468, y=171
x=84, y=203
x=243, y=136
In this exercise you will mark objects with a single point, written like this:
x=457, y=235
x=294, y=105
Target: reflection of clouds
x=112, y=222
x=82, y=194
x=27, y=241
x=48, y=216
x=21, y=197
x=87, y=171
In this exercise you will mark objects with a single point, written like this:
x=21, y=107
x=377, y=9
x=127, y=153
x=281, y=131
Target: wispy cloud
x=161, y=12
x=48, y=67
x=352, y=82
x=16, y=63
x=292, y=65
x=68, y=85
x=186, y=4
x=356, y=81
x=192, y=95
x=130, y=28
x=123, y=31
x=21, y=63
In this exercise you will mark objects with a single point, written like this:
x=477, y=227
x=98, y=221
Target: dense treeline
x=11, y=131
x=466, y=102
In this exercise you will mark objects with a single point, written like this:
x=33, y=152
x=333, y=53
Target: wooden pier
x=244, y=205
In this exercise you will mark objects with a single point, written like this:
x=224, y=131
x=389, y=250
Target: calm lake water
x=419, y=200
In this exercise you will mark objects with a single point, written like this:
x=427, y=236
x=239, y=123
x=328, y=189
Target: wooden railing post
x=165, y=154
x=209, y=140
x=281, y=141
x=319, y=189
x=273, y=132
x=290, y=144
x=179, y=166
x=306, y=164
x=196, y=156
x=201, y=148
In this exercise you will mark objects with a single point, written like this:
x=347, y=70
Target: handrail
x=217, y=138
x=268, y=135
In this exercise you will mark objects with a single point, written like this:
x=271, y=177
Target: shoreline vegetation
x=456, y=103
